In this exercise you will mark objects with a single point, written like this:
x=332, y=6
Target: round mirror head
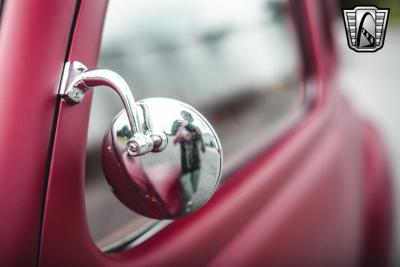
x=173, y=180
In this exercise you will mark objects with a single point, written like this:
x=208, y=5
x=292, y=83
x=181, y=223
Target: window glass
x=235, y=61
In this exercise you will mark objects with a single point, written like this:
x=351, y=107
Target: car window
x=235, y=61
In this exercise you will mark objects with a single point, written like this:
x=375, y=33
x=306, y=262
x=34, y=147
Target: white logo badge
x=365, y=27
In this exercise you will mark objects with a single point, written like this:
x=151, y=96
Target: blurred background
x=218, y=56
x=372, y=83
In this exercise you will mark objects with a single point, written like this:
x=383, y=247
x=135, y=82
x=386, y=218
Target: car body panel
x=302, y=196
x=319, y=195
x=378, y=204
x=300, y=202
x=32, y=53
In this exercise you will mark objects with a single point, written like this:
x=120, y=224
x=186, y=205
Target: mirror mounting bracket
x=77, y=79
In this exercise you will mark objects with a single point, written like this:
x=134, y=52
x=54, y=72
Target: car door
x=34, y=40
x=281, y=203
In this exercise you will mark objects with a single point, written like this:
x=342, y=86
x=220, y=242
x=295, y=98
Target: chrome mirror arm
x=103, y=77
x=77, y=79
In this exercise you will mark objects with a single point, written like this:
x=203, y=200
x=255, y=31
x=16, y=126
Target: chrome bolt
x=75, y=95
x=133, y=147
x=160, y=141
x=156, y=140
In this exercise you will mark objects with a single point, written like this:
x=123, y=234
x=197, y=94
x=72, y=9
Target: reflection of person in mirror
x=189, y=137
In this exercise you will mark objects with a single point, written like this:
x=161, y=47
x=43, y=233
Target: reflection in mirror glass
x=235, y=61
x=170, y=183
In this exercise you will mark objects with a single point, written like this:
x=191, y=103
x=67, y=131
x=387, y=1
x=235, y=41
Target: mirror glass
x=170, y=183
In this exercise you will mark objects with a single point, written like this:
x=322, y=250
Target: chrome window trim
x=136, y=237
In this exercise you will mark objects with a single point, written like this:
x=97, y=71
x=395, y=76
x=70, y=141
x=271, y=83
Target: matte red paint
x=32, y=52
x=283, y=207
x=310, y=199
x=378, y=202
x=299, y=203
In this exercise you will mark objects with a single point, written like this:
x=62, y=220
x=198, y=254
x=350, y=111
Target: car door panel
x=275, y=204
x=32, y=53
x=298, y=202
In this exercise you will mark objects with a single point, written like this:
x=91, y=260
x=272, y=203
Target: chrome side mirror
x=161, y=157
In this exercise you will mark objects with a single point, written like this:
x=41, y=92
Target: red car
x=305, y=180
